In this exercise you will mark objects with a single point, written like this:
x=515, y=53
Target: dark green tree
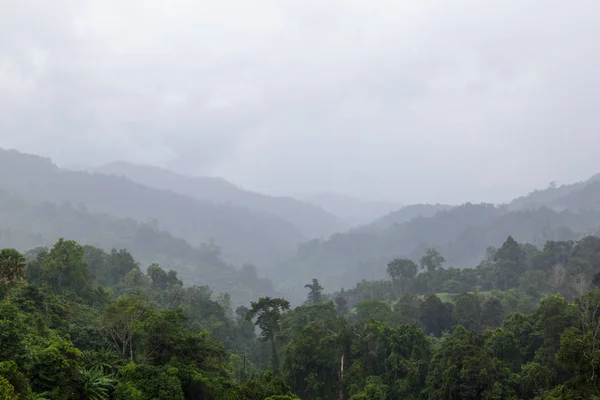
x=402, y=270
x=12, y=268
x=315, y=295
x=510, y=262
x=432, y=260
x=268, y=312
x=65, y=268
x=467, y=311
x=435, y=316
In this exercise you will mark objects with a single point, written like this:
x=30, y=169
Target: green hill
x=462, y=234
x=311, y=220
x=25, y=226
x=246, y=235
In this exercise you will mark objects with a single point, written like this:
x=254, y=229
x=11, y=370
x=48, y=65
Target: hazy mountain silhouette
x=246, y=235
x=310, y=220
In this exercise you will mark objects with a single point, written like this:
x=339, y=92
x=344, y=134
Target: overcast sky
x=414, y=101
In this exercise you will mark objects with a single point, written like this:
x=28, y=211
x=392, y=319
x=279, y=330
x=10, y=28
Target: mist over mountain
x=311, y=221
x=354, y=210
x=461, y=233
x=299, y=200
x=25, y=226
x=553, y=195
x=403, y=215
x=246, y=236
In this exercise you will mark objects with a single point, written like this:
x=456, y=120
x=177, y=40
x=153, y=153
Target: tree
x=435, y=316
x=12, y=268
x=120, y=263
x=121, y=323
x=162, y=279
x=467, y=311
x=341, y=305
x=432, y=260
x=158, y=276
x=316, y=291
x=402, y=270
x=97, y=385
x=268, y=312
x=492, y=313
x=509, y=262
x=65, y=267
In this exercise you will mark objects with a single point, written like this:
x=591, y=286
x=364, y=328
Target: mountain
x=25, y=226
x=352, y=210
x=403, y=215
x=550, y=196
x=311, y=221
x=246, y=235
x=462, y=234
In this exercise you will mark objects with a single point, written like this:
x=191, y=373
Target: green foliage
x=315, y=295
x=147, y=336
x=96, y=385
x=65, y=268
x=12, y=268
x=7, y=391
x=56, y=370
x=432, y=260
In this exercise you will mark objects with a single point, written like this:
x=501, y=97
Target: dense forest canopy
x=78, y=322
x=311, y=220
x=197, y=221
x=220, y=230
x=175, y=295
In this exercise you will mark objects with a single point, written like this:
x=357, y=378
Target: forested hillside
x=403, y=215
x=247, y=236
x=80, y=323
x=553, y=196
x=462, y=233
x=312, y=221
x=26, y=226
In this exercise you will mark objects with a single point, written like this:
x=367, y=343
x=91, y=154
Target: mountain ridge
x=310, y=219
x=247, y=236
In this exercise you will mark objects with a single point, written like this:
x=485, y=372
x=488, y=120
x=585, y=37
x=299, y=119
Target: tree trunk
x=274, y=358
x=342, y=377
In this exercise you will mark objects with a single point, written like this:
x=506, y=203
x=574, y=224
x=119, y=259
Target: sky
x=411, y=101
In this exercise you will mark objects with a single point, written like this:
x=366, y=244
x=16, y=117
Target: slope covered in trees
x=247, y=236
x=552, y=196
x=25, y=226
x=403, y=215
x=312, y=221
x=80, y=323
x=462, y=233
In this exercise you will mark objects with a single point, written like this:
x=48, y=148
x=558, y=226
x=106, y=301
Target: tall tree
x=402, y=270
x=432, y=260
x=316, y=291
x=65, y=266
x=435, y=315
x=510, y=262
x=12, y=268
x=268, y=312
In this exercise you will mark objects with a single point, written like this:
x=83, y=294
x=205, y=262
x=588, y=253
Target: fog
x=429, y=101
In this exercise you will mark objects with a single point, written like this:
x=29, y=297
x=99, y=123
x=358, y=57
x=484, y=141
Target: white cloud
x=421, y=101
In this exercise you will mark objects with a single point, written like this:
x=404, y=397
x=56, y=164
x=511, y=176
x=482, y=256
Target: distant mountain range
x=461, y=233
x=246, y=235
x=202, y=226
x=25, y=226
x=312, y=221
